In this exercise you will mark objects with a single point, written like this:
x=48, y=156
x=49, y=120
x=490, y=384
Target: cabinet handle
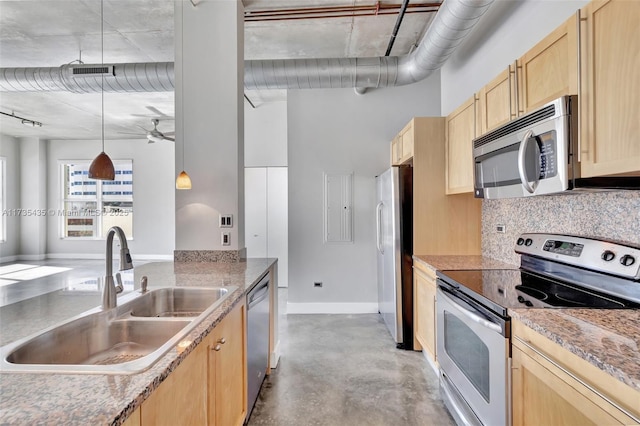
x=517, y=83
x=222, y=340
x=581, y=99
x=217, y=347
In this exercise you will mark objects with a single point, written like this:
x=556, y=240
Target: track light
x=24, y=121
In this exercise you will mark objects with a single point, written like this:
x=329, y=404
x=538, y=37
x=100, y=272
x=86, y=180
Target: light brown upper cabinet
x=550, y=69
x=402, y=145
x=462, y=126
x=610, y=88
x=497, y=101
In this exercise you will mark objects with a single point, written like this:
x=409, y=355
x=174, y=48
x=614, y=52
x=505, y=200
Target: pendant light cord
x=182, y=77
x=102, y=63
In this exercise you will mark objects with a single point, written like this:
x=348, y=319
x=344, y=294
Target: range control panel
x=598, y=255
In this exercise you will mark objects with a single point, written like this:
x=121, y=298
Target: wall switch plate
x=226, y=221
x=226, y=238
x=317, y=284
x=501, y=229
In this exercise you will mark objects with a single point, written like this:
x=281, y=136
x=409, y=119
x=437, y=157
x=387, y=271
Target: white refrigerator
x=394, y=241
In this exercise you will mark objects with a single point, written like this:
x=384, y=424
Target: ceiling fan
x=154, y=135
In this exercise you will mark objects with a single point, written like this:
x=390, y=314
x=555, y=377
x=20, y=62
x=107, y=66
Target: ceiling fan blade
x=137, y=125
x=169, y=133
x=159, y=113
x=169, y=139
x=129, y=133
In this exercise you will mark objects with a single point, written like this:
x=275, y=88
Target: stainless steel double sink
x=126, y=339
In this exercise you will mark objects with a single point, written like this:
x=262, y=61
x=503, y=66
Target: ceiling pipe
x=452, y=23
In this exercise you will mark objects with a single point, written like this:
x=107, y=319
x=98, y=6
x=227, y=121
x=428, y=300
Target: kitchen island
x=41, y=398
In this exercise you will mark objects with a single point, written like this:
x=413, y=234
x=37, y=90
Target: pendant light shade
x=183, y=181
x=102, y=168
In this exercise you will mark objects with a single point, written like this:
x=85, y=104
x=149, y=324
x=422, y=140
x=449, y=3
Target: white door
x=266, y=216
x=255, y=211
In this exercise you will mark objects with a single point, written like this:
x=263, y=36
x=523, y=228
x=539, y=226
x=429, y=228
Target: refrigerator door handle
x=379, y=229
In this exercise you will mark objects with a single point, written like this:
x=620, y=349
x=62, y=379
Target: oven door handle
x=470, y=315
x=522, y=165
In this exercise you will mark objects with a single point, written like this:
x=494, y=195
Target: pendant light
x=183, y=181
x=102, y=167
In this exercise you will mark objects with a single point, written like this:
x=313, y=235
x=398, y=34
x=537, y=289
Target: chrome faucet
x=110, y=290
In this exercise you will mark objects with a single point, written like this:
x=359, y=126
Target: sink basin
x=175, y=302
x=127, y=339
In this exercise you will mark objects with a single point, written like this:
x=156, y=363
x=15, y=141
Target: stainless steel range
x=473, y=323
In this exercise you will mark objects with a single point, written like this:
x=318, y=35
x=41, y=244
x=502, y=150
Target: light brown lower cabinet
x=425, y=310
x=552, y=386
x=227, y=370
x=209, y=386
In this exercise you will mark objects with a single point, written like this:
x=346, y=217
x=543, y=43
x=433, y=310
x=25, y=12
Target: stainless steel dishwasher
x=257, y=339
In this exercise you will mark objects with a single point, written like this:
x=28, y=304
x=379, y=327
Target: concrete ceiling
x=50, y=33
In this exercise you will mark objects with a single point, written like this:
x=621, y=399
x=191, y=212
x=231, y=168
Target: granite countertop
x=40, y=398
x=607, y=338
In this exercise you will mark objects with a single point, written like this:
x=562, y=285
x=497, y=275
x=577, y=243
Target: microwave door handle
x=522, y=166
x=470, y=315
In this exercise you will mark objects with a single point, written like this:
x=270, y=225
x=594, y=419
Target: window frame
x=99, y=199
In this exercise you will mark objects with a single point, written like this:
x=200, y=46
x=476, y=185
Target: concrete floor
x=340, y=370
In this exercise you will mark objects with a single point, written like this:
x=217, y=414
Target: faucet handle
x=119, y=287
x=143, y=284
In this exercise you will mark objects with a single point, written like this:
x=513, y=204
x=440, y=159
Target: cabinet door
x=182, y=398
x=396, y=151
x=407, y=142
x=610, y=85
x=550, y=69
x=461, y=129
x=227, y=370
x=542, y=394
x=497, y=101
x=425, y=315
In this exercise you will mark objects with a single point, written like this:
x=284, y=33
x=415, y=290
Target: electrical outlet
x=317, y=284
x=226, y=238
x=226, y=221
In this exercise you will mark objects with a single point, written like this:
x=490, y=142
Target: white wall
x=9, y=148
x=265, y=135
x=508, y=30
x=337, y=131
x=153, y=196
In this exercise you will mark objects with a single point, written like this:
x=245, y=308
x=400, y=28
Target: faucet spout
x=109, y=291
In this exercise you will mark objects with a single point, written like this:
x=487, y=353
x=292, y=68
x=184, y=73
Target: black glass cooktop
x=517, y=288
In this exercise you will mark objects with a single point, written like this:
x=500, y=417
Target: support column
x=210, y=84
x=33, y=198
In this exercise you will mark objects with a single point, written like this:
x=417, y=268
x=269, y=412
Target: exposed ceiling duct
x=453, y=22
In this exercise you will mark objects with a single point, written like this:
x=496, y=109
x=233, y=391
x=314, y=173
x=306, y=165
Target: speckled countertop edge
x=40, y=398
x=608, y=339
x=452, y=262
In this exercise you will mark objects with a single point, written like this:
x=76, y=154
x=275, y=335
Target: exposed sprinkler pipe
x=403, y=9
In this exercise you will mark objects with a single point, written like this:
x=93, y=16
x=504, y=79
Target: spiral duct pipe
x=452, y=23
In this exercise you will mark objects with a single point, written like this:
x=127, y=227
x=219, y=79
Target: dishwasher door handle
x=258, y=295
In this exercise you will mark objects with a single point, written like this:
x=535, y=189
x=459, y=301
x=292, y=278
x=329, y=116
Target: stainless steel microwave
x=536, y=154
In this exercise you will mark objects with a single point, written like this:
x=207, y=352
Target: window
x=3, y=200
x=91, y=207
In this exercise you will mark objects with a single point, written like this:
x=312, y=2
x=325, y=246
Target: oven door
x=473, y=352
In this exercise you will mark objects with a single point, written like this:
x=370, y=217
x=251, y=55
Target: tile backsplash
x=610, y=215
